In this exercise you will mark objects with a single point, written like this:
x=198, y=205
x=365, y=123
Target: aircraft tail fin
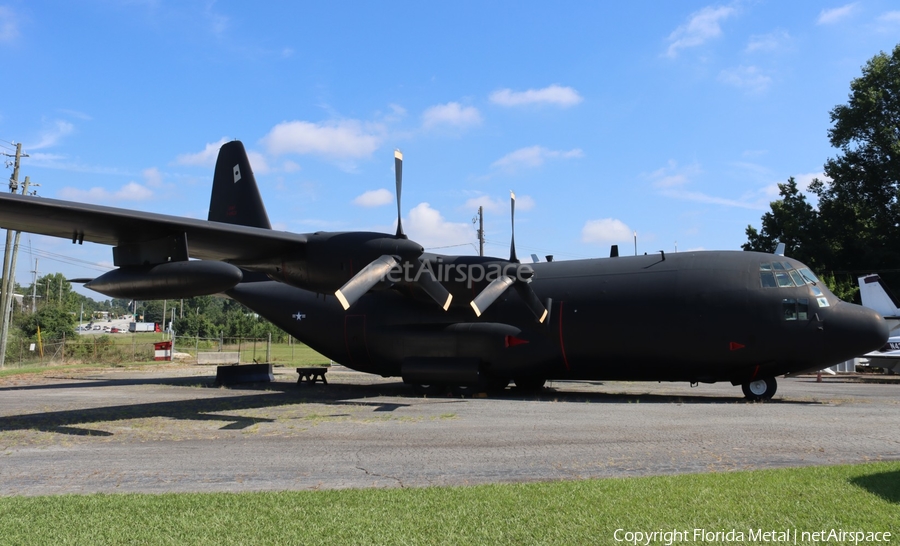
x=235, y=197
x=876, y=295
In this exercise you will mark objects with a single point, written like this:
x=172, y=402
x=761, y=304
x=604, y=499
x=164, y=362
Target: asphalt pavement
x=171, y=429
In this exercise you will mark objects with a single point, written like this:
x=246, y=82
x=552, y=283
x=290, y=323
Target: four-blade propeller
x=379, y=268
x=516, y=275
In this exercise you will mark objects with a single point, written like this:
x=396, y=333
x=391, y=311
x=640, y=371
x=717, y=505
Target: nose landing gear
x=760, y=389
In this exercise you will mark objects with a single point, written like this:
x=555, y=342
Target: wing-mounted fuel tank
x=160, y=269
x=167, y=281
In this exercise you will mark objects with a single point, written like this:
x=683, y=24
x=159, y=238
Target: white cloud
x=746, y=78
x=258, y=162
x=702, y=25
x=131, y=191
x=205, y=158
x=767, y=43
x=290, y=167
x=9, y=25
x=344, y=139
x=554, y=94
x=153, y=177
x=672, y=181
x=890, y=17
x=428, y=227
x=805, y=179
x=51, y=136
x=532, y=157
x=374, y=198
x=451, y=114
x=606, y=230
x=835, y=15
x=499, y=204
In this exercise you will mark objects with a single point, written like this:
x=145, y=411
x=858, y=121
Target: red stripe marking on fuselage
x=562, y=345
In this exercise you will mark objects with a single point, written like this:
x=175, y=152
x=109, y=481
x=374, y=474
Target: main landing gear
x=760, y=389
x=487, y=384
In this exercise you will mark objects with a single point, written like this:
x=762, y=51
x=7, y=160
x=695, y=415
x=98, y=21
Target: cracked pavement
x=171, y=430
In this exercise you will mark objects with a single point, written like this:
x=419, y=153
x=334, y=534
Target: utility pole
x=480, y=219
x=10, y=284
x=5, y=285
x=34, y=287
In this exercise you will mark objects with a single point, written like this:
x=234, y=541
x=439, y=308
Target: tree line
x=57, y=308
x=853, y=225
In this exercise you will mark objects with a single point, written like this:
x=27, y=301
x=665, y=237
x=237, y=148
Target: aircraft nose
x=853, y=330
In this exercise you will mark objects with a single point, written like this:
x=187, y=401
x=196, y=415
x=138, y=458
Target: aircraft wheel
x=760, y=389
x=431, y=390
x=495, y=384
x=468, y=390
x=530, y=383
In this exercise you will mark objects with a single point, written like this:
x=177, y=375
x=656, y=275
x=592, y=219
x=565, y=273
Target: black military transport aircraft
x=377, y=303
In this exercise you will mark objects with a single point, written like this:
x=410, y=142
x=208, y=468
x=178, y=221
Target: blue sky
x=672, y=119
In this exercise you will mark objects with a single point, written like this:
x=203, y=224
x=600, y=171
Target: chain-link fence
x=111, y=350
x=79, y=350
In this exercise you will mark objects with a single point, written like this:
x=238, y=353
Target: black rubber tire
x=497, y=384
x=760, y=389
x=530, y=384
x=430, y=390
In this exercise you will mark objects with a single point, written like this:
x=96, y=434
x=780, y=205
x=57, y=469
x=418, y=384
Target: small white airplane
x=876, y=295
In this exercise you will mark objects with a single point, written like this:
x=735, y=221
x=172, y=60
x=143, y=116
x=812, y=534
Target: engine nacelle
x=172, y=280
x=328, y=260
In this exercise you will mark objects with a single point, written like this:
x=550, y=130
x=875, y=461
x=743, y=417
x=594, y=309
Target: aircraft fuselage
x=693, y=316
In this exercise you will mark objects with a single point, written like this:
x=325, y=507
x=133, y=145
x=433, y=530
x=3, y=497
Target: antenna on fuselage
x=779, y=250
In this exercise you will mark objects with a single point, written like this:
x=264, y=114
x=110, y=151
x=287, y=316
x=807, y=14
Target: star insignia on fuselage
x=298, y=316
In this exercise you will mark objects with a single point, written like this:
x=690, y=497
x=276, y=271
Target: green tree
x=856, y=226
x=792, y=221
x=55, y=323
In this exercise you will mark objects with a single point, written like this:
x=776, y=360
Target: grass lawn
x=132, y=350
x=853, y=498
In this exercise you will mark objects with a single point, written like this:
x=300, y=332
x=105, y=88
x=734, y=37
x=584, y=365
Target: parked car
x=113, y=330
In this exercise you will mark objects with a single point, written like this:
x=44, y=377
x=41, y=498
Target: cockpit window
x=808, y=275
x=784, y=279
x=783, y=274
x=795, y=309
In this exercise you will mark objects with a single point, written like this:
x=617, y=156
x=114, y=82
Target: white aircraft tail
x=876, y=295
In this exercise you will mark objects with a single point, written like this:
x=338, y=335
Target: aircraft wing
x=113, y=226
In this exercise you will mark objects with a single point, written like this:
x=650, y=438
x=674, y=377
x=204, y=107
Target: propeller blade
x=532, y=301
x=490, y=294
x=364, y=280
x=512, y=239
x=425, y=279
x=398, y=173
